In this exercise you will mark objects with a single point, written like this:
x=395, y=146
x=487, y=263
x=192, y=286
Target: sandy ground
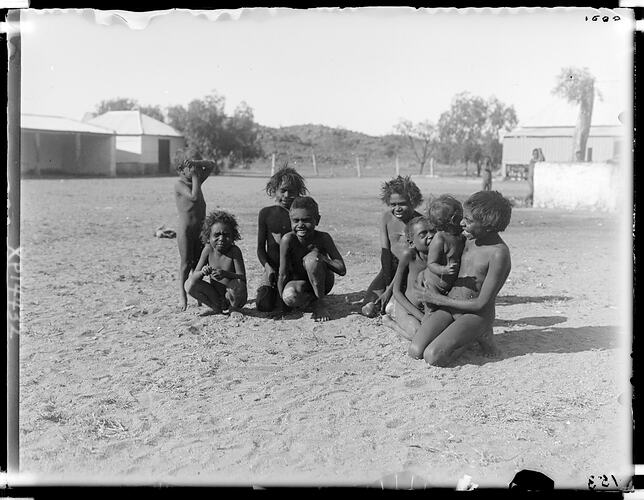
x=117, y=385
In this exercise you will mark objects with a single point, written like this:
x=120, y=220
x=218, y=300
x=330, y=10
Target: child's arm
x=202, y=266
x=399, y=279
x=190, y=192
x=498, y=270
x=386, y=257
x=282, y=277
x=331, y=256
x=240, y=269
x=262, y=234
x=434, y=256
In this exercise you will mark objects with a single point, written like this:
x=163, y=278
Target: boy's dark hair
x=445, y=212
x=219, y=216
x=180, y=162
x=491, y=209
x=403, y=186
x=410, y=226
x=289, y=176
x=306, y=202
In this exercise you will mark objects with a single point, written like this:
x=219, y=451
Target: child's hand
x=217, y=273
x=451, y=269
x=271, y=274
x=383, y=300
x=206, y=270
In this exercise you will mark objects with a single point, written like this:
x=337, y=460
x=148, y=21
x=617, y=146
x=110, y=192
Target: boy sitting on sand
x=222, y=263
x=444, y=255
x=402, y=196
x=191, y=207
x=467, y=313
x=308, y=259
x=405, y=309
x=273, y=223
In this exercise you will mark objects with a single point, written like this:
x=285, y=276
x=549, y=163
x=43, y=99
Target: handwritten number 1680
x=603, y=18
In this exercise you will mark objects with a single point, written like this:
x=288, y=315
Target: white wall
x=150, y=148
x=594, y=186
x=128, y=148
x=556, y=149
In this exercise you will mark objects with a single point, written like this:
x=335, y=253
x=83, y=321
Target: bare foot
x=236, y=315
x=387, y=321
x=488, y=345
x=320, y=311
x=370, y=310
x=183, y=305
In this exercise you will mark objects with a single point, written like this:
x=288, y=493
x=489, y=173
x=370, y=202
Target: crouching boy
x=308, y=261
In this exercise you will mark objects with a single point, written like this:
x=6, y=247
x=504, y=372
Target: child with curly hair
x=444, y=256
x=402, y=196
x=222, y=263
x=191, y=207
x=272, y=224
x=466, y=314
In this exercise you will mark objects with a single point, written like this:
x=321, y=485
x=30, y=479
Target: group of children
x=439, y=276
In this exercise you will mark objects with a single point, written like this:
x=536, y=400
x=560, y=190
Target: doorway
x=164, y=156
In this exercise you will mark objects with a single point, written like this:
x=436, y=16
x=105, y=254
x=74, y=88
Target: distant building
x=552, y=130
x=57, y=145
x=604, y=143
x=143, y=145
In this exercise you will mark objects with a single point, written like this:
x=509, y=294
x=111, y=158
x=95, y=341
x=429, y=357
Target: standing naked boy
x=222, y=262
x=444, y=214
x=308, y=259
x=402, y=196
x=191, y=207
x=273, y=223
x=405, y=309
x=467, y=313
x=487, y=174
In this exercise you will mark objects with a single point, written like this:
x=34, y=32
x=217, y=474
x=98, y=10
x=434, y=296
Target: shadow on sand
x=531, y=321
x=508, y=300
x=544, y=341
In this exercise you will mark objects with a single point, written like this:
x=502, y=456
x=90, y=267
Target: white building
x=552, y=130
x=58, y=145
x=143, y=145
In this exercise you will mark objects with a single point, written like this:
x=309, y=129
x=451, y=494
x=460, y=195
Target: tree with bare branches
x=422, y=138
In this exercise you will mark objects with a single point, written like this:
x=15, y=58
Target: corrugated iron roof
x=60, y=124
x=597, y=131
x=134, y=122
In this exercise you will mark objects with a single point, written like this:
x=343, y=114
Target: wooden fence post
x=273, y=165
x=315, y=165
x=358, y=165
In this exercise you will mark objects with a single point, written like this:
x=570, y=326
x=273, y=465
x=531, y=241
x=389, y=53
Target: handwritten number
x=605, y=480
x=591, y=483
x=614, y=480
x=603, y=18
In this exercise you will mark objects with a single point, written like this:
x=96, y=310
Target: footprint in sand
x=393, y=423
x=415, y=382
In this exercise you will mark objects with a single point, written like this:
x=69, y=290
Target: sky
x=361, y=69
